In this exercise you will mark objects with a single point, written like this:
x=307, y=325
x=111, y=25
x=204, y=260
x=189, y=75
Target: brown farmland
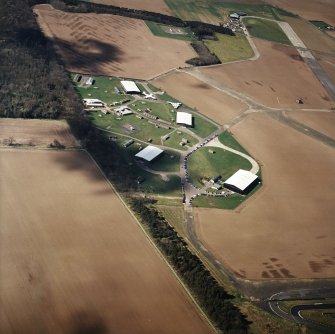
x=276, y=79
x=209, y=101
x=73, y=259
x=158, y=6
x=111, y=45
x=286, y=230
x=323, y=122
x=36, y=132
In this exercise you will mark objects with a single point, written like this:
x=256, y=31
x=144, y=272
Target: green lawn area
x=325, y=316
x=160, y=109
x=143, y=129
x=104, y=91
x=175, y=139
x=174, y=216
x=167, y=162
x=202, y=164
x=229, y=48
x=154, y=184
x=226, y=138
x=266, y=29
x=202, y=127
x=158, y=30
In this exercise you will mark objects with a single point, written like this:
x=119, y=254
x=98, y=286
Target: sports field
x=73, y=259
x=211, y=102
x=286, y=228
x=276, y=79
x=110, y=45
x=36, y=132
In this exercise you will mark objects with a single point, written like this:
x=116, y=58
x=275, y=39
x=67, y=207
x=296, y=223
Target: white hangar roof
x=184, y=118
x=130, y=86
x=149, y=153
x=241, y=179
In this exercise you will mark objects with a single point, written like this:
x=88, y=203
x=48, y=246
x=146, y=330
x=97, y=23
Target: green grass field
x=158, y=30
x=167, y=162
x=266, y=29
x=230, y=48
x=226, y=138
x=202, y=127
x=104, y=91
x=174, y=216
x=203, y=164
x=327, y=319
x=320, y=24
x=154, y=184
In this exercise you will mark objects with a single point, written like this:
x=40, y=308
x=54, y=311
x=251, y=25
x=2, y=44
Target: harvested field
x=320, y=43
x=276, y=79
x=323, y=10
x=111, y=45
x=158, y=6
x=323, y=122
x=36, y=132
x=73, y=259
x=286, y=229
x=212, y=103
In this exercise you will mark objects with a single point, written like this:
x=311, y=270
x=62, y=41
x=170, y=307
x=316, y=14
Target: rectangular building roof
x=149, y=153
x=242, y=179
x=184, y=118
x=130, y=86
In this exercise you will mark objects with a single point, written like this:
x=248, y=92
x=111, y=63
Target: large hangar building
x=241, y=182
x=184, y=118
x=130, y=87
x=149, y=153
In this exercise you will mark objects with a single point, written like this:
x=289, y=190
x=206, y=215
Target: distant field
x=266, y=29
x=35, y=132
x=202, y=164
x=79, y=259
x=110, y=45
x=276, y=79
x=230, y=48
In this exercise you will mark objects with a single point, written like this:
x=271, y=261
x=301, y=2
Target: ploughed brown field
x=286, y=230
x=323, y=122
x=73, y=259
x=321, y=44
x=158, y=6
x=110, y=44
x=209, y=101
x=36, y=132
x=277, y=79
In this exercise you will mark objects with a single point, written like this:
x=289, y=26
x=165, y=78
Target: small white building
x=149, y=153
x=123, y=110
x=89, y=81
x=175, y=105
x=184, y=118
x=130, y=87
x=93, y=103
x=242, y=181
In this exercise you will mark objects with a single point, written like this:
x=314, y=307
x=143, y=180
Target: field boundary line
x=158, y=251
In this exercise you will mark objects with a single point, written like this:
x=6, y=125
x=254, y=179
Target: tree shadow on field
x=88, y=323
x=89, y=54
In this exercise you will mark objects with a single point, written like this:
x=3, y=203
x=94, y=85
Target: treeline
x=205, y=56
x=33, y=84
x=200, y=29
x=210, y=294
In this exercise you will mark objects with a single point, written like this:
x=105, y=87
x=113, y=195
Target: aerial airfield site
x=167, y=166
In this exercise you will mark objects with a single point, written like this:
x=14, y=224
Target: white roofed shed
x=149, y=153
x=130, y=87
x=184, y=118
x=241, y=180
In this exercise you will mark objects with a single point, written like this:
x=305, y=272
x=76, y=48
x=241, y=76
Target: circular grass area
x=203, y=164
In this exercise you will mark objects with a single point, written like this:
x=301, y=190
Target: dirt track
x=286, y=229
x=36, y=132
x=73, y=260
x=209, y=101
x=158, y=6
x=111, y=45
x=276, y=79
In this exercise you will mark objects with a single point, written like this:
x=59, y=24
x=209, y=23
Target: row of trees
x=205, y=56
x=211, y=295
